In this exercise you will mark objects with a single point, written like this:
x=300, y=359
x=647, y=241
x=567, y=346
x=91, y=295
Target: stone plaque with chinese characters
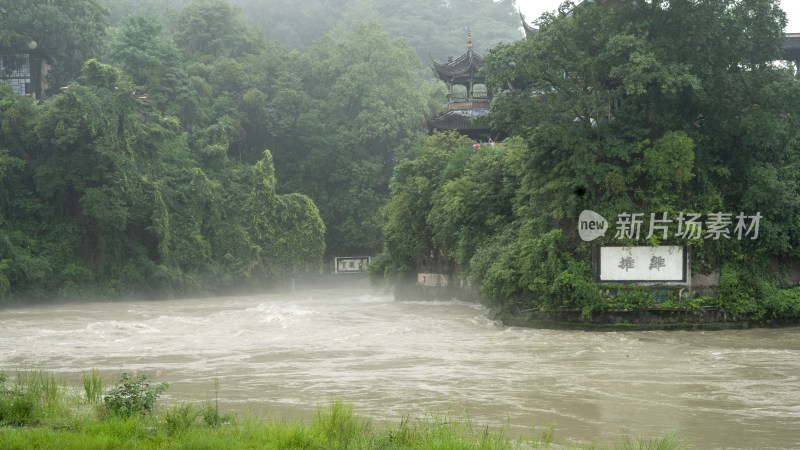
x=662, y=264
x=351, y=264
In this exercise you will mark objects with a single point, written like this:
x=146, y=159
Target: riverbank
x=703, y=318
x=38, y=412
x=656, y=317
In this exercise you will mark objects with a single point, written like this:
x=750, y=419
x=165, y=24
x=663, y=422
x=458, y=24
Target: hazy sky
x=534, y=8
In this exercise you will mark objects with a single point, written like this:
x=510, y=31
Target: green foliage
x=33, y=396
x=211, y=416
x=105, y=195
x=429, y=26
x=667, y=441
x=495, y=268
x=747, y=287
x=670, y=161
x=363, y=107
x=575, y=287
x=286, y=232
x=473, y=202
x=101, y=75
x=184, y=416
x=338, y=423
x=640, y=122
x=333, y=116
x=213, y=28
x=138, y=50
x=133, y=396
x=630, y=297
x=66, y=33
x=93, y=384
x=612, y=135
x=621, y=108
x=180, y=417
x=406, y=232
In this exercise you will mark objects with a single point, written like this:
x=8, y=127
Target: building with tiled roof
x=791, y=48
x=467, y=95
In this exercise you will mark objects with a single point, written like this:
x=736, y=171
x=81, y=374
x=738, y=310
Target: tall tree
x=363, y=108
x=138, y=49
x=214, y=28
x=610, y=81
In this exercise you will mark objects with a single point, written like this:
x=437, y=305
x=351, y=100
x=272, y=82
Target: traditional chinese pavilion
x=467, y=95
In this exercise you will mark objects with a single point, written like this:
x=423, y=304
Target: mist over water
x=284, y=354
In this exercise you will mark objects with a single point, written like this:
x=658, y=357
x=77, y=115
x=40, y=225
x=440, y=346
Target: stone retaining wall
x=640, y=319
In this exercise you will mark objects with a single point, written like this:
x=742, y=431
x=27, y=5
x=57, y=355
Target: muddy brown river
x=284, y=354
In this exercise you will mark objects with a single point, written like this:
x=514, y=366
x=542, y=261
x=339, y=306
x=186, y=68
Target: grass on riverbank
x=38, y=412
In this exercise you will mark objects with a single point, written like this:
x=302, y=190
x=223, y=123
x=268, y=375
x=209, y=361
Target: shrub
x=212, y=417
x=133, y=396
x=180, y=417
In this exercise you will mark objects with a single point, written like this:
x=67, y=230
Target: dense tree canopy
x=363, y=107
x=333, y=116
x=654, y=106
x=65, y=32
x=432, y=27
x=214, y=28
x=101, y=194
x=648, y=107
x=154, y=167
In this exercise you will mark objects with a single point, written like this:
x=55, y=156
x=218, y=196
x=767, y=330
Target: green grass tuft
x=31, y=398
x=93, y=385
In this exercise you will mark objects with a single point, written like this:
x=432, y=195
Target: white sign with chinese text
x=666, y=263
x=350, y=264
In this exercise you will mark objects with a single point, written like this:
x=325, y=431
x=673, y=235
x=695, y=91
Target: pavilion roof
x=529, y=29
x=791, y=47
x=792, y=41
x=465, y=65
